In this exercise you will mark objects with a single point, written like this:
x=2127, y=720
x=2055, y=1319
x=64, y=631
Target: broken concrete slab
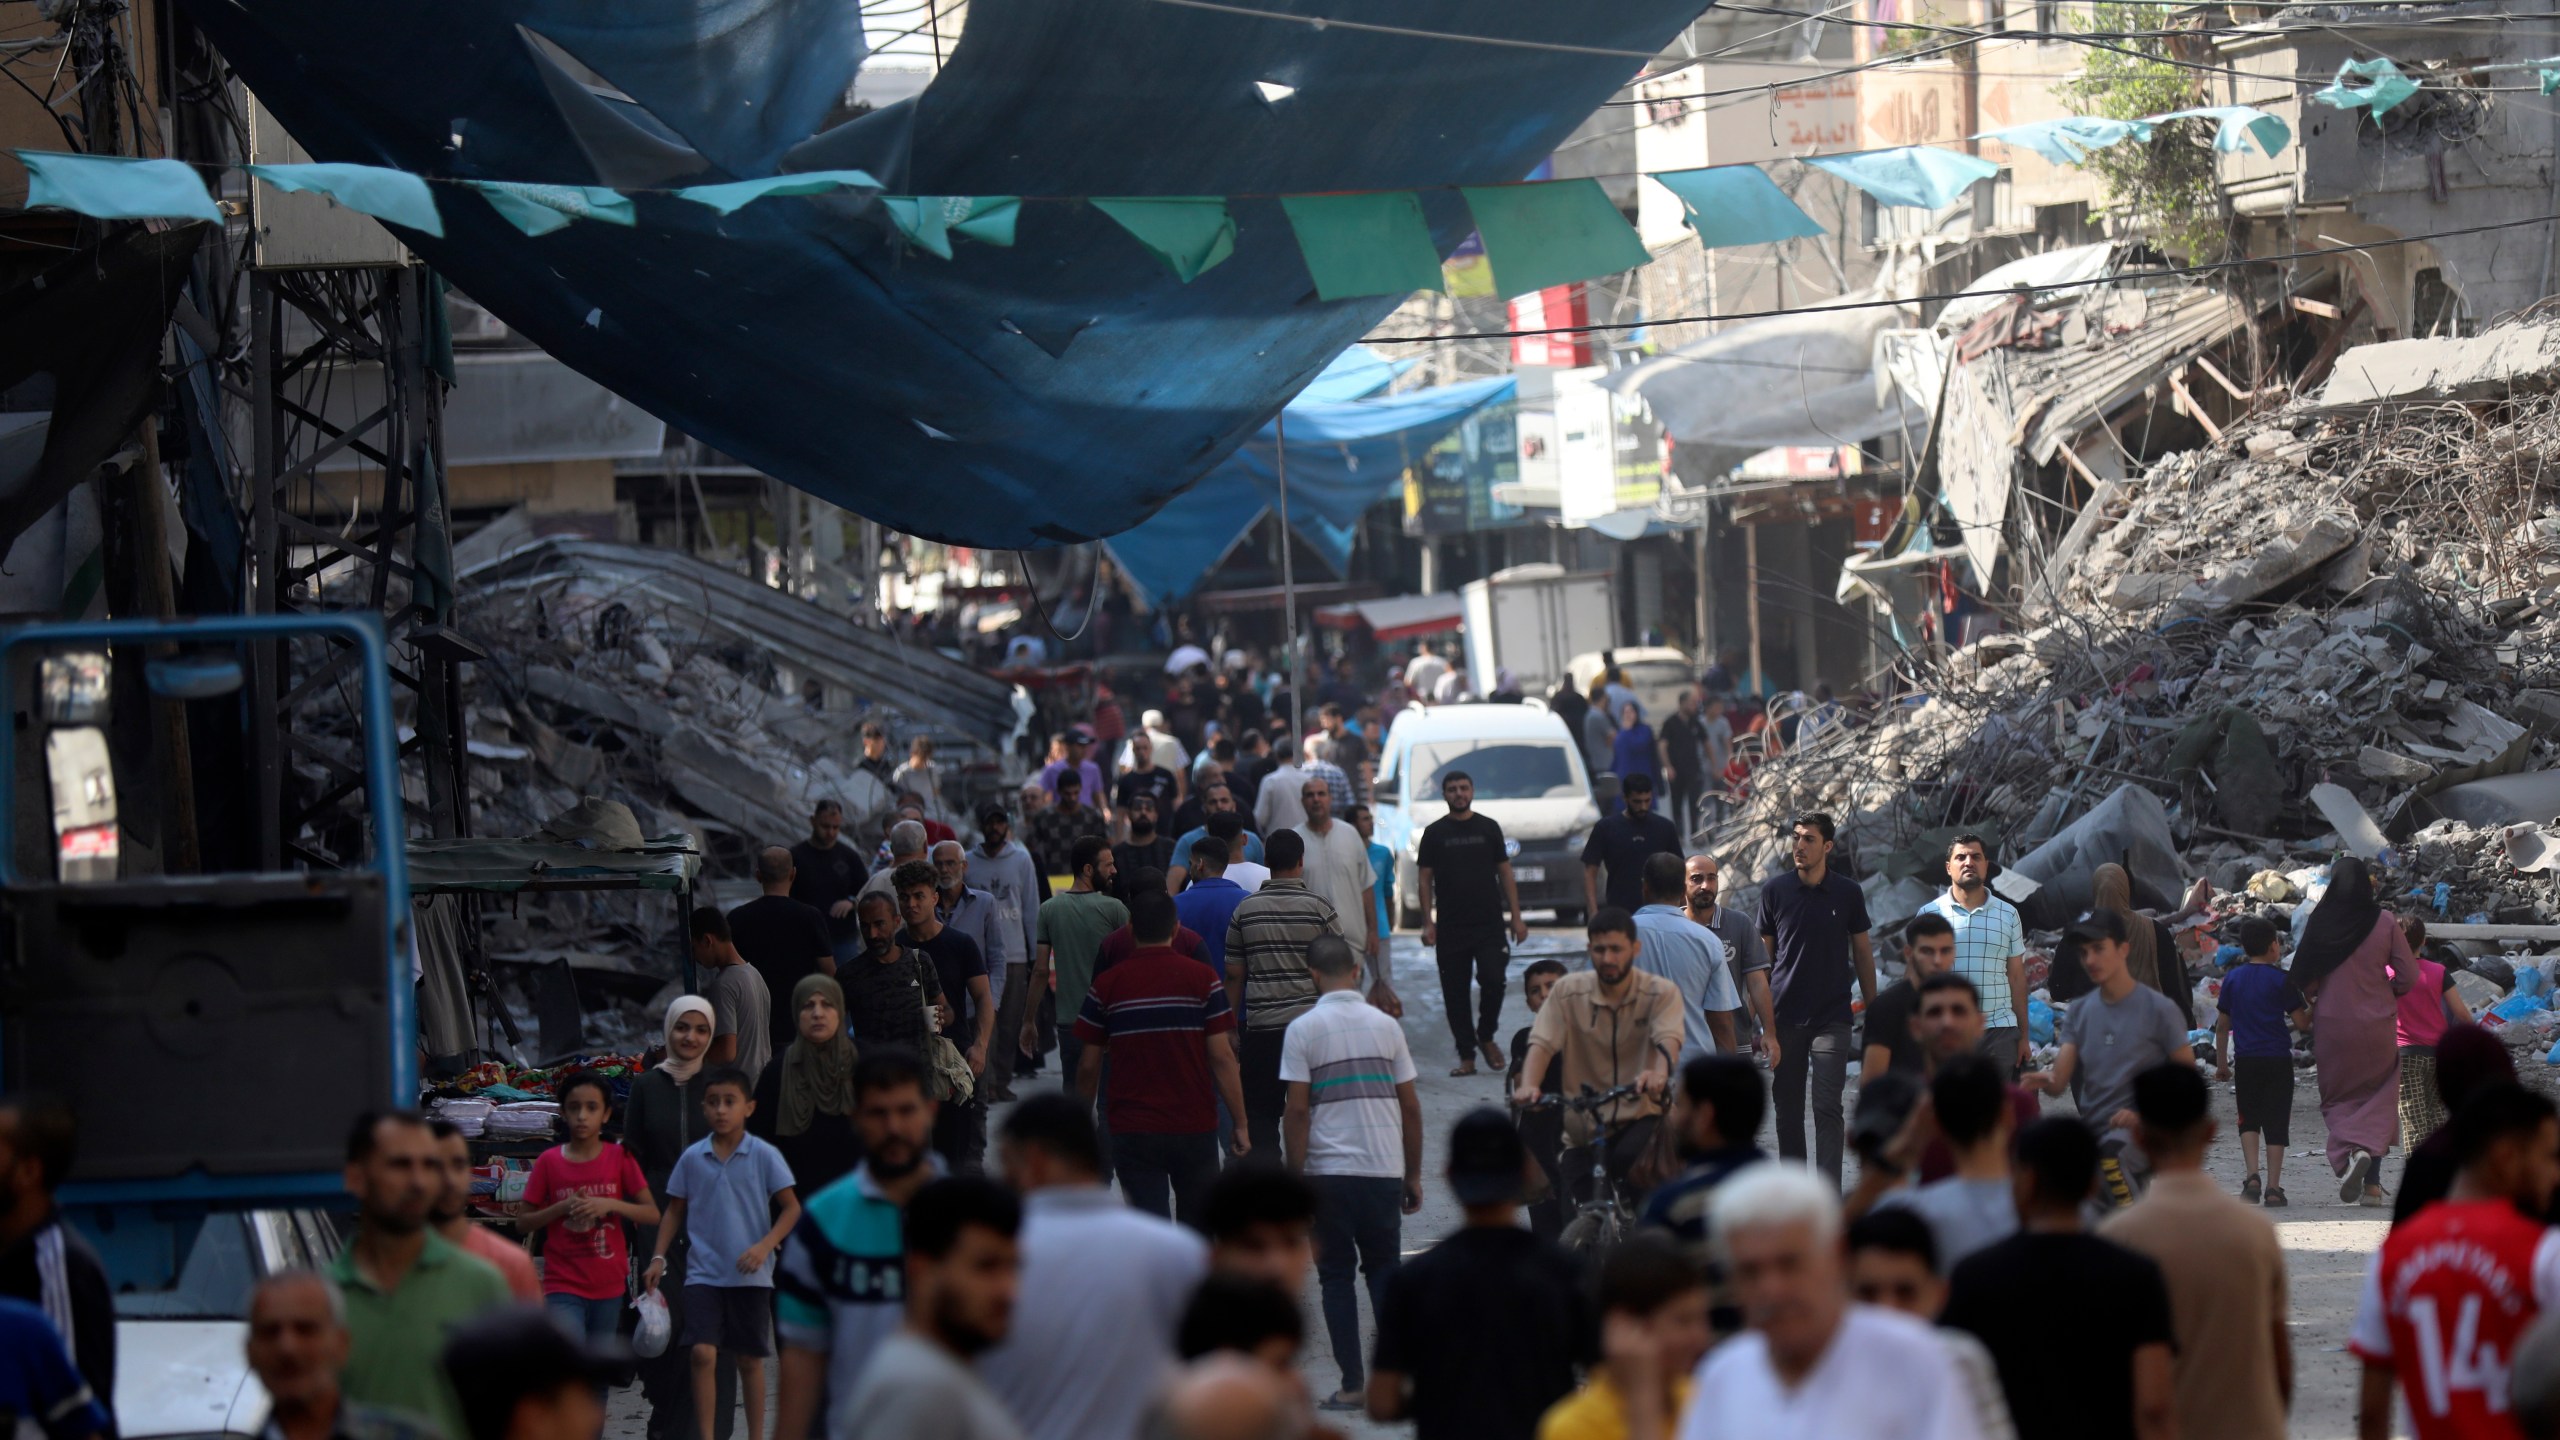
x=2380, y=764
x=2497, y=365
x=2304, y=546
x=2356, y=829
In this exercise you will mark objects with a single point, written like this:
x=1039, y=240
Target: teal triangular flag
x=541, y=209
x=990, y=219
x=1364, y=244
x=1737, y=205
x=1923, y=177
x=1190, y=233
x=112, y=187
x=2069, y=140
x=1551, y=232
x=2237, y=125
x=729, y=197
x=2384, y=87
x=393, y=195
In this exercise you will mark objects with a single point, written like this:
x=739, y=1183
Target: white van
x=1529, y=777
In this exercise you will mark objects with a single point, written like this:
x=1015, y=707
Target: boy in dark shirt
x=2249, y=1040
x=1542, y=1130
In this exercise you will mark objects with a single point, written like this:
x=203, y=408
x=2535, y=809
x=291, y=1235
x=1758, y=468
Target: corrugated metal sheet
x=2071, y=388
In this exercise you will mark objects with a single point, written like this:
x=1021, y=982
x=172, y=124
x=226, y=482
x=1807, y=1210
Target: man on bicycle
x=1610, y=1025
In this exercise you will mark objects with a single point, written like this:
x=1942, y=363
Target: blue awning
x=1343, y=458
x=1049, y=393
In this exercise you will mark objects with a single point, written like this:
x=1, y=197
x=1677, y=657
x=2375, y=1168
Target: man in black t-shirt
x=783, y=939
x=968, y=1018
x=826, y=875
x=1814, y=921
x=1466, y=889
x=2104, y=1372
x=1928, y=948
x=1481, y=1333
x=1622, y=843
x=1145, y=777
x=1147, y=848
x=1684, y=744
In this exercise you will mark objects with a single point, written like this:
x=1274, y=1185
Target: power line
x=2161, y=272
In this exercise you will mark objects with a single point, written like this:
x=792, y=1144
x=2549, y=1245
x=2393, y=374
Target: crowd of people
x=1047, y=1133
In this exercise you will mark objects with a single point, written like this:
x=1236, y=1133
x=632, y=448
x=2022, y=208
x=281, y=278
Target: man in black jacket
x=41, y=1261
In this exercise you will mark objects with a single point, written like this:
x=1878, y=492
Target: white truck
x=1533, y=619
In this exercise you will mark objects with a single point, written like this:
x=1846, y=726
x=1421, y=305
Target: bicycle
x=1608, y=1214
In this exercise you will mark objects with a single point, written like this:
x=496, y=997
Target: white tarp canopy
x=2053, y=267
x=1801, y=379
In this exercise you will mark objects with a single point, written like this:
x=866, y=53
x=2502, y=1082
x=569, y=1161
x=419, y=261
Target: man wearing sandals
x=1466, y=885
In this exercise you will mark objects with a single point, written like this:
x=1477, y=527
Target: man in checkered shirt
x=1991, y=946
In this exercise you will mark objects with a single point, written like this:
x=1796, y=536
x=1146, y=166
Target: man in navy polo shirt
x=1815, y=924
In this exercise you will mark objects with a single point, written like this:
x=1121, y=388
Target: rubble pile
x=2340, y=624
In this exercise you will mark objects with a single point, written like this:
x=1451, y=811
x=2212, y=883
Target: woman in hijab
x=2355, y=964
x=804, y=1104
x=663, y=1117
x=2151, y=948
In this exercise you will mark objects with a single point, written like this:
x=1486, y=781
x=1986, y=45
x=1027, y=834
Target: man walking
x=1815, y=922
x=975, y=913
x=1216, y=799
x=1466, y=888
x=1892, y=1041
x=1163, y=1022
x=1622, y=843
x=837, y=1292
x=1975, y=1206
x=298, y=1343
x=1684, y=746
x=2457, y=1285
x=2115, y=1032
x=1084, y=1255
x=1072, y=926
x=826, y=874
x=742, y=1019
x=1354, y=1129
x=783, y=939
x=1209, y=902
x=1004, y=869
x=1991, y=949
x=969, y=1015
x=1688, y=955
x=2223, y=1264
x=1147, y=851
x=1267, y=976
x=907, y=843
x=1716, y=1116
x=1338, y=869
x=2112, y=1377
x=1746, y=955
x=405, y=1286
x=1814, y=1366
x=1280, y=805
x=41, y=1261
x=1481, y=1333
x=1056, y=830
x=961, y=1273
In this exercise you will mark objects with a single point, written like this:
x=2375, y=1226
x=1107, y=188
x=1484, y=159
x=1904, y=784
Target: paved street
x=2326, y=1243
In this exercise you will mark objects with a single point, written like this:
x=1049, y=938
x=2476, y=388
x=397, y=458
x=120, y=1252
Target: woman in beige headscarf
x=2151, y=951
x=804, y=1102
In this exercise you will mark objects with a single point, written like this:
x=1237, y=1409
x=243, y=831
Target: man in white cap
x=1170, y=753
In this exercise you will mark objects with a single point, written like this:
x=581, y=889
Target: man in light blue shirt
x=1991, y=949
x=1687, y=954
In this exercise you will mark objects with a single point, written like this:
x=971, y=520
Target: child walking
x=730, y=1194
x=2425, y=1013
x=578, y=1196
x=2258, y=1000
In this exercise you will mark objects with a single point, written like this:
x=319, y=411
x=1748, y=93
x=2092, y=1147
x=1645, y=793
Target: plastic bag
x=2039, y=1021
x=2519, y=1005
x=649, y=1340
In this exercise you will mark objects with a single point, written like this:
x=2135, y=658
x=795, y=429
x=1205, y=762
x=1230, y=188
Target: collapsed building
x=2337, y=627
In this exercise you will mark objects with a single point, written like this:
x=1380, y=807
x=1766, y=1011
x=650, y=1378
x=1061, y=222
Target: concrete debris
x=2337, y=627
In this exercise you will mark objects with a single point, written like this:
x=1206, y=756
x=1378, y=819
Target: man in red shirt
x=2456, y=1286
x=1164, y=1022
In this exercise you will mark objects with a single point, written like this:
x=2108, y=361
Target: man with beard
x=963, y=1269
x=405, y=1285
x=842, y=1271
x=1744, y=953
x=1147, y=848
x=1004, y=869
x=450, y=1215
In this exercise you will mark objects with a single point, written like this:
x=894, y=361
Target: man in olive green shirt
x=406, y=1287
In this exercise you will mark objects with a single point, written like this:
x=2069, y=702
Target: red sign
x=1556, y=307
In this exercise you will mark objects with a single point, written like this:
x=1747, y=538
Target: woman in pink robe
x=2355, y=964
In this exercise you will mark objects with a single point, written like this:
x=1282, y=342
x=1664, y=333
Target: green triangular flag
x=1365, y=244
x=1191, y=233
x=1551, y=232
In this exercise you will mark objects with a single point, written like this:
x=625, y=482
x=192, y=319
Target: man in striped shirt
x=1354, y=1129
x=1991, y=949
x=1267, y=974
x=1163, y=1020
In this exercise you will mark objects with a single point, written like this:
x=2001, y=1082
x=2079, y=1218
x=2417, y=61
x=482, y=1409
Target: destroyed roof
x=504, y=867
x=915, y=681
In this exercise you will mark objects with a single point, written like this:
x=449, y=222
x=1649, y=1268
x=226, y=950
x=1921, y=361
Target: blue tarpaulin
x=1344, y=456
x=1054, y=392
